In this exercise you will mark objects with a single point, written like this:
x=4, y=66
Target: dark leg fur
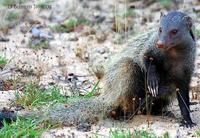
x=152, y=76
x=159, y=105
x=133, y=99
x=183, y=100
x=120, y=114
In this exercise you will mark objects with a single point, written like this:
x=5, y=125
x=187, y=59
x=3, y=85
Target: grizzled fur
x=144, y=66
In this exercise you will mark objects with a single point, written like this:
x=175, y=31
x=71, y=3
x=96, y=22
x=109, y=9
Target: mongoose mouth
x=164, y=47
x=160, y=46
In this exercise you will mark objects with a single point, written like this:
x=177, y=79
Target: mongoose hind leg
x=128, y=83
x=159, y=106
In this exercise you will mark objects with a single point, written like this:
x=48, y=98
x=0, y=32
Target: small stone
x=101, y=37
x=73, y=37
x=101, y=50
x=196, y=9
x=25, y=27
x=88, y=31
x=84, y=127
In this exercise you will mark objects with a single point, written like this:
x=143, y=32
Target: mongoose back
x=156, y=65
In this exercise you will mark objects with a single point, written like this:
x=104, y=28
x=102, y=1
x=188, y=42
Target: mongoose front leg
x=152, y=76
x=183, y=100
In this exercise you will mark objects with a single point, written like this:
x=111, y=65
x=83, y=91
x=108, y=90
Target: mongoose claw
x=152, y=82
x=153, y=87
x=188, y=124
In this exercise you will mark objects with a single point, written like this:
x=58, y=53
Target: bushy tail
x=84, y=111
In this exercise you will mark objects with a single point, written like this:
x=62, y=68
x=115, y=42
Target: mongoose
x=164, y=58
x=153, y=67
x=156, y=65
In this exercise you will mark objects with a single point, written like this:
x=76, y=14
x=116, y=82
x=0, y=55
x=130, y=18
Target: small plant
x=83, y=21
x=69, y=25
x=129, y=13
x=40, y=44
x=27, y=128
x=197, y=33
x=166, y=135
x=143, y=134
x=166, y=3
x=3, y=62
x=198, y=133
x=120, y=134
x=89, y=95
x=93, y=91
x=121, y=24
x=12, y=2
x=58, y=28
x=12, y=16
x=34, y=96
x=46, y=4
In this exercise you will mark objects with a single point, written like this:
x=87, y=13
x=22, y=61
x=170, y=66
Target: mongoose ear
x=189, y=24
x=188, y=21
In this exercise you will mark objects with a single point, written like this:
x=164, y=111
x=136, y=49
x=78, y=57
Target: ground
x=61, y=42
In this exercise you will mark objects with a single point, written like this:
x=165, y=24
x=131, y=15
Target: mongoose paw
x=188, y=124
x=152, y=83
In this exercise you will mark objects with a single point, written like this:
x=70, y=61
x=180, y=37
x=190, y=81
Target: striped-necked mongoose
x=157, y=65
x=164, y=58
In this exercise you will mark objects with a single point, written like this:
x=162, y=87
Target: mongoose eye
x=160, y=30
x=174, y=32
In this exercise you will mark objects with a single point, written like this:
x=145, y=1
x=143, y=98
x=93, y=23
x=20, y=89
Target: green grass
x=44, y=4
x=89, y=95
x=166, y=3
x=58, y=28
x=42, y=45
x=69, y=25
x=118, y=133
x=26, y=128
x=198, y=133
x=33, y=96
x=143, y=134
x=3, y=62
x=12, y=16
x=129, y=13
x=11, y=2
x=93, y=91
x=166, y=135
x=197, y=33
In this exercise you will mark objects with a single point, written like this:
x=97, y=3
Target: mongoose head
x=175, y=30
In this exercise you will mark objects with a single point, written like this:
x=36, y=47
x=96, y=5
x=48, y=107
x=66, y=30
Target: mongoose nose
x=159, y=44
